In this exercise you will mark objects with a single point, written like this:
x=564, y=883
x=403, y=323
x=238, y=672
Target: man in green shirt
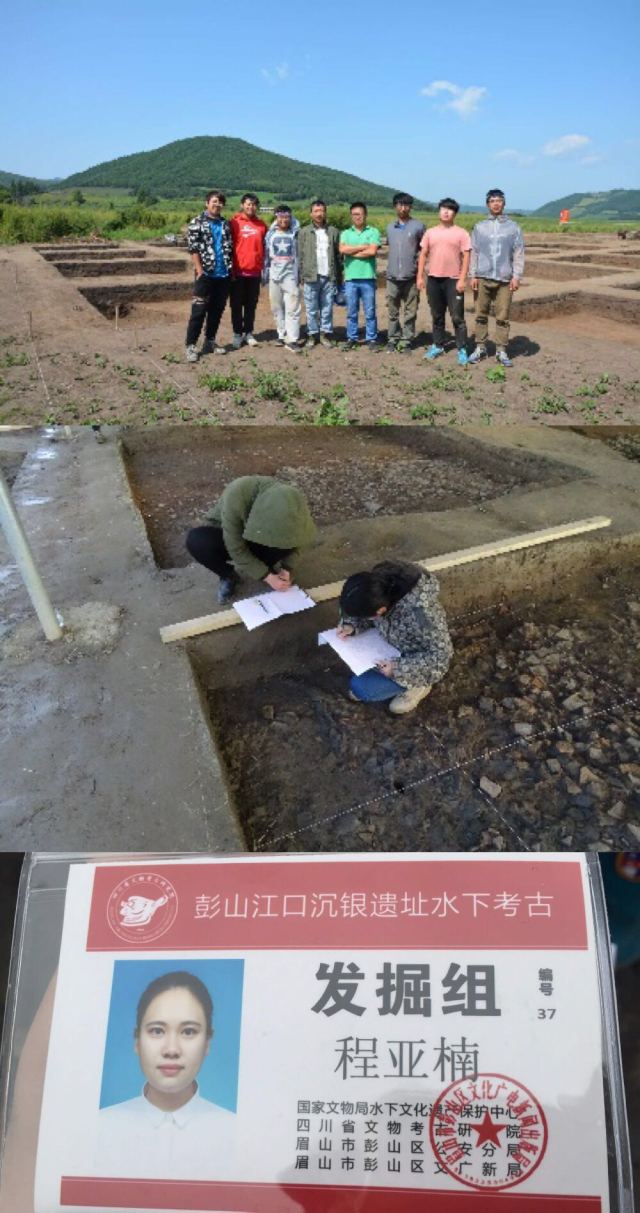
x=359, y=244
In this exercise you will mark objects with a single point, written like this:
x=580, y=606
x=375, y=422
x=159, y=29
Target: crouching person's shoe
x=226, y=589
x=408, y=700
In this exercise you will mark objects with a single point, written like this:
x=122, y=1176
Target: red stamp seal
x=142, y=907
x=488, y=1132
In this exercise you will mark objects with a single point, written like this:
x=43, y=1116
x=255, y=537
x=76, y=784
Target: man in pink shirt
x=447, y=249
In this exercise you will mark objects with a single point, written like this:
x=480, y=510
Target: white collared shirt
x=197, y=1141
x=322, y=251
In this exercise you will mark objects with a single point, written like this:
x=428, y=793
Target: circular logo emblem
x=488, y=1132
x=142, y=907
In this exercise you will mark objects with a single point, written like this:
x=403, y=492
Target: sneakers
x=237, y=341
x=291, y=348
x=478, y=353
x=434, y=352
x=312, y=340
x=463, y=358
x=191, y=354
x=227, y=588
x=503, y=358
x=408, y=700
x=348, y=345
x=210, y=347
x=327, y=341
x=250, y=339
x=391, y=347
x=374, y=347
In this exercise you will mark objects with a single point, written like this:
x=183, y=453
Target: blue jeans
x=361, y=289
x=374, y=686
x=318, y=304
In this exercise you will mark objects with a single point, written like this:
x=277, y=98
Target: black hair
x=253, y=197
x=364, y=593
x=283, y=209
x=406, y=198
x=450, y=203
x=494, y=194
x=218, y=194
x=363, y=206
x=318, y=202
x=176, y=981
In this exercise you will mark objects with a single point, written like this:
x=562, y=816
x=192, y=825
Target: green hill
x=613, y=204
x=7, y=178
x=191, y=166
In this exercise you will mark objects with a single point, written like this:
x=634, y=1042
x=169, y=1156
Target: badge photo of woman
x=169, y=1130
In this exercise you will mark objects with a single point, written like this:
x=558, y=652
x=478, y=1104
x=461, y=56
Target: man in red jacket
x=248, y=234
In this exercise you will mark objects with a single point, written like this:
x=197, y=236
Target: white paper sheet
x=361, y=652
x=264, y=608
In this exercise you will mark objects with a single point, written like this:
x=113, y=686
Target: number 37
x=546, y=1012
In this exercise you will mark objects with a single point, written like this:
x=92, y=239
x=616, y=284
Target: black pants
x=209, y=300
x=206, y=545
x=244, y=301
x=442, y=294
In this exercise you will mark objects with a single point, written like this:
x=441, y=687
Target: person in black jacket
x=211, y=248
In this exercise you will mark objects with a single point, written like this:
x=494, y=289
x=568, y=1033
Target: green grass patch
x=222, y=383
x=8, y=360
x=551, y=402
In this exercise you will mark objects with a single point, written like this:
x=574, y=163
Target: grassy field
x=115, y=214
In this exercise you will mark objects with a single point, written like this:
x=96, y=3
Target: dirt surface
x=10, y=464
x=583, y=364
x=541, y=701
x=177, y=474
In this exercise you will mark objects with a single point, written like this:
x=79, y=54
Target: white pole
x=19, y=546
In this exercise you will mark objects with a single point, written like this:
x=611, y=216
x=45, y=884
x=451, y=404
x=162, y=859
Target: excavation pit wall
x=66, y=254
x=566, y=271
x=132, y=266
x=106, y=298
x=539, y=707
x=381, y=480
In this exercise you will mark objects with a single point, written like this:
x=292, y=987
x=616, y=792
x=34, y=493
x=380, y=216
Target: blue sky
x=541, y=100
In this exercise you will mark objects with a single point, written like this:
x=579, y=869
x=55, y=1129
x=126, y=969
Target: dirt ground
x=175, y=475
x=531, y=741
x=584, y=365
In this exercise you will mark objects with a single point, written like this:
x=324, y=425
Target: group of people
x=256, y=530
x=323, y=266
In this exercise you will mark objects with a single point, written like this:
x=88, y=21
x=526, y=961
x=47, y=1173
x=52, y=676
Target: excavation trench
x=532, y=740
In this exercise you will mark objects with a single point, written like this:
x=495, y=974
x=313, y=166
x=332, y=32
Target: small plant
x=383, y=421
x=164, y=395
x=276, y=385
x=424, y=412
x=485, y=418
x=551, y=402
x=100, y=360
x=170, y=357
x=496, y=374
x=452, y=381
x=524, y=378
x=222, y=383
x=332, y=410
x=599, y=388
x=10, y=359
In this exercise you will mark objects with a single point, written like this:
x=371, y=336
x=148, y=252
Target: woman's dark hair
x=364, y=593
x=450, y=203
x=176, y=981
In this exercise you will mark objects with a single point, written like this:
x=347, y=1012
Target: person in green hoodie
x=253, y=531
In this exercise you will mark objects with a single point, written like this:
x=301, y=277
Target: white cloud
x=511, y=153
x=592, y=159
x=464, y=101
x=277, y=74
x=565, y=144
